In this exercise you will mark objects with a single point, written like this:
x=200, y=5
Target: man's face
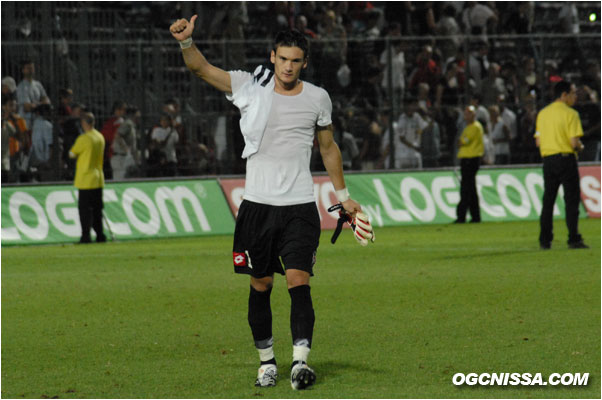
x=469, y=115
x=29, y=70
x=288, y=63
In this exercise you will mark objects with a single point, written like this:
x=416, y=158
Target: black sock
x=302, y=315
x=260, y=318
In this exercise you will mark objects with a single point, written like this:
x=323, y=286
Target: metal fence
x=145, y=68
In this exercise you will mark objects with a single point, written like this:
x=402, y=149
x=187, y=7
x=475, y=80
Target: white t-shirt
x=410, y=127
x=278, y=174
x=160, y=134
x=497, y=133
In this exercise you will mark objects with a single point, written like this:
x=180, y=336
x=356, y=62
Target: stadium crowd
x=378, y=81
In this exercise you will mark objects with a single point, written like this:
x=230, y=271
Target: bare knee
x=296, y=277
x=262, y=284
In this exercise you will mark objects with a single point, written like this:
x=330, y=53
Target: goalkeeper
x=278, y=218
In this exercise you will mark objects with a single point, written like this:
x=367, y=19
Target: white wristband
x=186, y=43
x=342, y=195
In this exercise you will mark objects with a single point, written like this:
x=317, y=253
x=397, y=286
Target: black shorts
x=266, y=234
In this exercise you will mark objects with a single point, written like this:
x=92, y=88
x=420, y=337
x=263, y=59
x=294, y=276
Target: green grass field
x=167, y=318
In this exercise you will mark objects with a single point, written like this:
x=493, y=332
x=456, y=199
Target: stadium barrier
x=161, y=209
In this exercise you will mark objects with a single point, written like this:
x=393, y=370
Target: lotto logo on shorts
x=240, y=260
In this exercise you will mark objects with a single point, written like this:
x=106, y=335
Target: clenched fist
x=182, y=28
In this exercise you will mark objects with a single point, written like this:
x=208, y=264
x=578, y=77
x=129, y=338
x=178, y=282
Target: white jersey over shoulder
x=279, y=172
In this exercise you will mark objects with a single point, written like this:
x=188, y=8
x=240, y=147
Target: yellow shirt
x=89, y=147
x=556, y=124
x=471, y=141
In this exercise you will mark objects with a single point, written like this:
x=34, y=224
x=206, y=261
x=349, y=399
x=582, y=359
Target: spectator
x=41, y=144
x=588, y=106
x=448, y=26
x=173, y=108
x=333, y=44
x=371, y=31
x=493, y=85
x=89, y=178
x=385, y=159
x=500, y=136
x=19, y=144
x=125, y=149
x=301, y=26
x=30, y=93
x=448, y=97
x=430, y=139
x=478, y=19
x=509, y=116
x=424, y=102
x=72, y=128
x=398, y=63
x=482, y=114
x=370, y=95
x=529, y=79
x=347, y=142
x=523, y=149
x=591, y=77
x=64, y=109
x=163, y=147
x=108, y=131
x=9, y=87
x=488, y=148
x=478, y=65
x=449, y=87
x=409, y=131
x=509, y=74
x=8, y=132
x=427, y=70
x=520, y=17
x=569, y=18
x=370, y=152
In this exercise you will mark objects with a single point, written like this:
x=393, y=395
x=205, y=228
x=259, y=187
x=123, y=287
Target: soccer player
x=558, y=132
x=278, y=218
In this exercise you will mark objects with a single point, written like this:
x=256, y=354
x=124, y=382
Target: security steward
x=470, y=151
x=558, y=130
x=89, y=150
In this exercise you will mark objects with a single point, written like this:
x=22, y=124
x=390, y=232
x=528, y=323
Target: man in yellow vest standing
x=470, y=151
x=558, y=129
x=89, y=178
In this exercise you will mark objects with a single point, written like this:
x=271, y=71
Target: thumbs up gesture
x=182, y=29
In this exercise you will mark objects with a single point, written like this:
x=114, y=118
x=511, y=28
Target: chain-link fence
x=433, y=79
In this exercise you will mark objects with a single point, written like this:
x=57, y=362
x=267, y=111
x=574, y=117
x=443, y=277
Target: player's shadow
x=332, y=368
x=486, y=254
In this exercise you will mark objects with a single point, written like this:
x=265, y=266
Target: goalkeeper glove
x=360, y=224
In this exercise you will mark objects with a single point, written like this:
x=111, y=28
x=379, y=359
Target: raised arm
x=331, y=156
x=182, y=30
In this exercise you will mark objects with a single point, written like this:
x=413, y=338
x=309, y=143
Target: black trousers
x=90, y=207
x=560, y=169
x=469, y=199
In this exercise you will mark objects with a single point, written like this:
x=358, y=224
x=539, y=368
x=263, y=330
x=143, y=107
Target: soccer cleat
x=578, y=245
x=545, y=246
x=302, y=376
x=267, y=375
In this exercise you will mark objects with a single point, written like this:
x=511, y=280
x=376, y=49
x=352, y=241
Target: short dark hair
x=65, y=92
x=118, y=105
x=88, y=118
x=25, y=62
x=561, y=87
x=292, y=38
